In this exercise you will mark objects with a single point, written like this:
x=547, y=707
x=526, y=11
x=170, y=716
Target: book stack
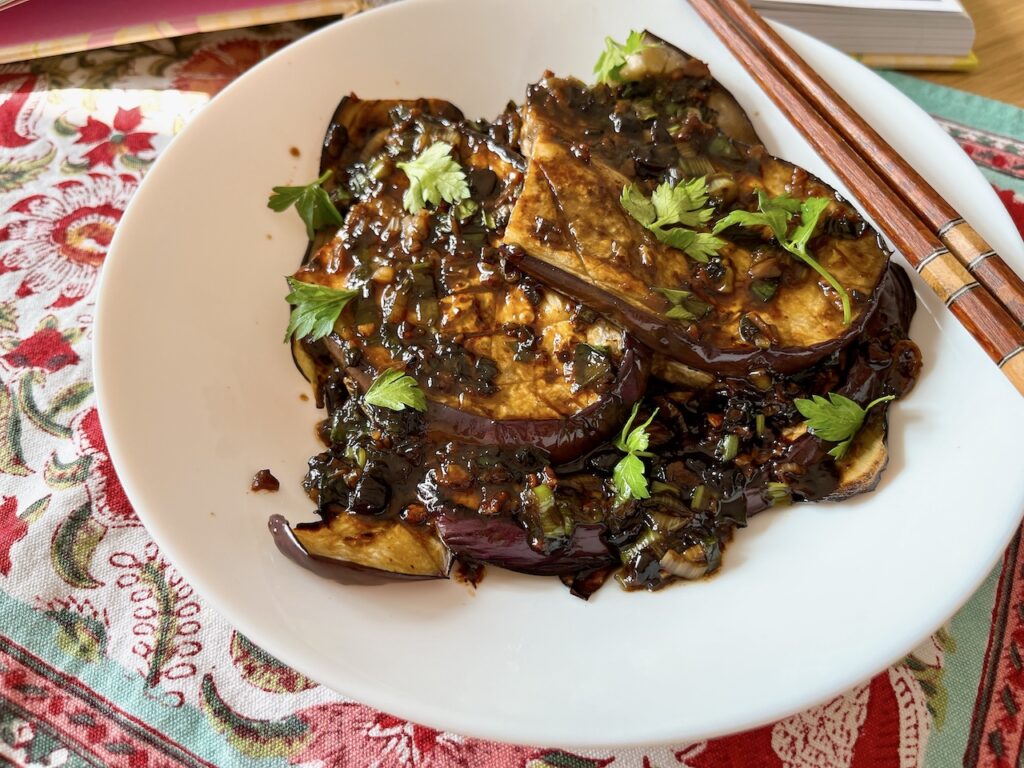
x=897, y=34
x=900, y=34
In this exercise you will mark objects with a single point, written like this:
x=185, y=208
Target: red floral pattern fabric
x=107, y=655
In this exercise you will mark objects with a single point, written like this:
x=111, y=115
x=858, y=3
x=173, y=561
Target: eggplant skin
x=730, y=118
x=354, y=118
x=500, y=541
x=346, y=571
x=569, y=211
x=562, y=439
x=528, y=396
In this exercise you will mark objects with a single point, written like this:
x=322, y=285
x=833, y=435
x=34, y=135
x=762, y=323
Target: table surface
x=108, y=657
x=1000, y=47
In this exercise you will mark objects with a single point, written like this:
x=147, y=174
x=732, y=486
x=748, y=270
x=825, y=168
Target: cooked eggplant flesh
x=435, y=296
x=534, y=319
x=569, y=229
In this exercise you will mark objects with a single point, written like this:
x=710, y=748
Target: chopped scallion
x=728, y=447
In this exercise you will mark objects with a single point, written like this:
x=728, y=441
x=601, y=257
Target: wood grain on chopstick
x=956, y=234
x=977, y=309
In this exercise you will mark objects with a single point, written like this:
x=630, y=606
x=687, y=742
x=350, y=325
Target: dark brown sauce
x=470, y=574
x=494, y=494
x=264, y=481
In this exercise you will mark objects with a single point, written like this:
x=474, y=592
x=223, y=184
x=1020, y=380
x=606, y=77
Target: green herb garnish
x=837, y=419
x=611, y=61
x=684, y=204
x=778, y=494
x=628, y=474
x=395, y=390
x=434, y=176
x=684, y=305
x=728, y=447
x=315, y=309
x=776, y=213
x=466, y=208
x=313, y=204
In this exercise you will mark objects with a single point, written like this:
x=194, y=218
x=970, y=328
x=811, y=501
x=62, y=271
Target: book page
x=924, y=6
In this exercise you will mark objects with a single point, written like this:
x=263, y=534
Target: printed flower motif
x=47, y=348
x=26, y=154
x=81, y=628
x=114, y=141
x=347, y=733
x=17, y=745
x=1014, y=203
x=211, y=69
x=12, y=530
x=165, y=617
x=59, y=239
x=110, y=505
x=884, y=722
x=260, y=669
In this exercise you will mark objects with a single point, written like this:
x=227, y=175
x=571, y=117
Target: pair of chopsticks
x=977, y=286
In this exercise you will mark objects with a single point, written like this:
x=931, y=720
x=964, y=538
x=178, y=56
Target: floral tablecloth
x=107, y=655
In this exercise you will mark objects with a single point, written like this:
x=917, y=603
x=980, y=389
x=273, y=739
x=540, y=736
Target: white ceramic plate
x=197, y=392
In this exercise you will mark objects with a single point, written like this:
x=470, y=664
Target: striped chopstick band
x=956, y=287
x=981, y=262
x=992, y=325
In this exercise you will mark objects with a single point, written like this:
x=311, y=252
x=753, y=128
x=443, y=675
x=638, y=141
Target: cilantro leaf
x=776, y=213
x=772, y=212
x=634, y=440
x=679, y=312
x=837, y=419
x=741, y=218
x=684, y=305
x=629, y=479
x=810, y=211
x=638, y=206
x=783, y=201
x=611, y=61
x=628, y=473
x=395, y=390
x=685, y=204
x=312, y=203
x=699, y=246
x=434, y=176
x=315, y=309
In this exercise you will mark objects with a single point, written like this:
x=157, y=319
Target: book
x=31, y=29
x=914, y=28
x=898, y=34
x=923, y=62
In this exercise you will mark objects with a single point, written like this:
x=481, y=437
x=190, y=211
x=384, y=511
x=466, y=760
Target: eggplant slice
x=570, y=230
x=532, y=319
x=355, y=550
x=500, y=357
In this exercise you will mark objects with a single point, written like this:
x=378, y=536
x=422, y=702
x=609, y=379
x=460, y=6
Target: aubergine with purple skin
x=750, y=302
x=536, y=313
x=353, y=549
x=501, y=358
x=500, y=542
x=563, y=438
x=567, y=528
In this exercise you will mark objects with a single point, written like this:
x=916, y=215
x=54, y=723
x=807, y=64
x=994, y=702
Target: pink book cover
x=30, y=29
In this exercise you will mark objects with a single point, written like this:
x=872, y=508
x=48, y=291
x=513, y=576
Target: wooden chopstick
x=963, y=241
x=977, y=309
